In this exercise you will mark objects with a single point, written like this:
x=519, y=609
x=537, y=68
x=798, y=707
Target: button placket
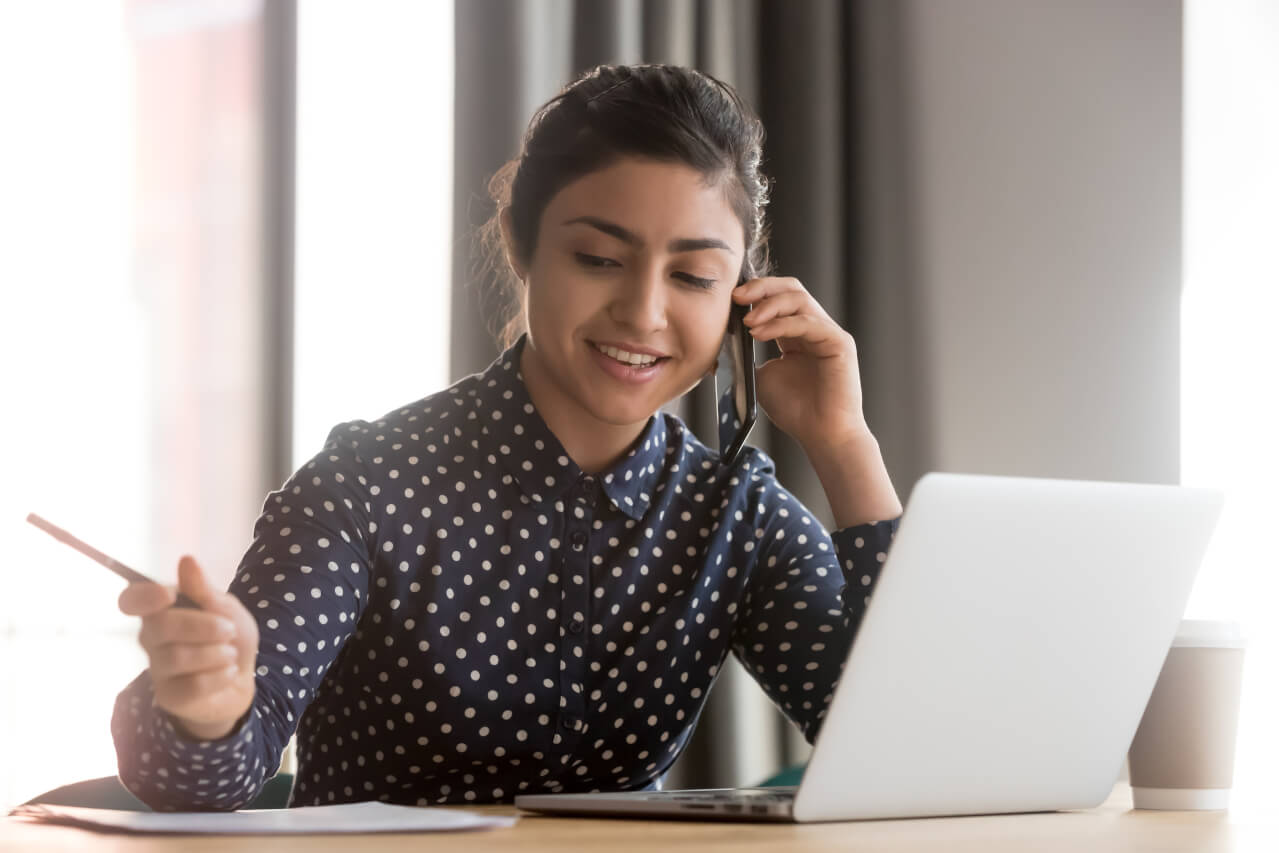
x=575, y=588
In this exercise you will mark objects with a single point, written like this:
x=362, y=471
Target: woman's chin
x=625, y=414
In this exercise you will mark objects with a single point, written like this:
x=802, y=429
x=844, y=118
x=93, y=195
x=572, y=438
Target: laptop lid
x=1008, y=652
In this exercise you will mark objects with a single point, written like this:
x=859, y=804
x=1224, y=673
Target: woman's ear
x=508, y=242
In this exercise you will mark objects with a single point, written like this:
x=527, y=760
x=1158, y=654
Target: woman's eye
x=701, y=283
x=597, y=262
x=594, y=260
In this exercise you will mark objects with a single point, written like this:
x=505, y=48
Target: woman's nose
x=640, y=302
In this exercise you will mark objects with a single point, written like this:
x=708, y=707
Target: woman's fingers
x=758, y=289
x=183, y=625
x=781, y=305
x=177, y=659
x=184, y=695
x=143, y=599
x=201, y=661
x=817, y=335
x=193, y=582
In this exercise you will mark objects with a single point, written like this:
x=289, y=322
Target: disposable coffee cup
x=1183, y=755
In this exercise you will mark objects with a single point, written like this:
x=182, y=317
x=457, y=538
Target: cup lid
x=1211, y=634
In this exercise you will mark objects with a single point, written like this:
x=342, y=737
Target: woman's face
x=629, y=287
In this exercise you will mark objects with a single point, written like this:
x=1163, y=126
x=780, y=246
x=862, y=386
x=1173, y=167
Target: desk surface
x=1113, y=826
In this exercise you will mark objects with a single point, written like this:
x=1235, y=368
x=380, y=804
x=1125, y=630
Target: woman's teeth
x=632, y=358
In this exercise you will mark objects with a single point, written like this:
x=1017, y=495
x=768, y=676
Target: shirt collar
x=538, y=462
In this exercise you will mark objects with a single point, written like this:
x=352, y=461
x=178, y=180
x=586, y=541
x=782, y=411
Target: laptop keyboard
x=728, y=795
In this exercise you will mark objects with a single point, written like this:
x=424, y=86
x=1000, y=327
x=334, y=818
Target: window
x=133, y=342
x=135, y=321
x=374, y=211
x=1230, y=344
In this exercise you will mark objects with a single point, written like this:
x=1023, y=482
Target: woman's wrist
x=854, y=477
x=205, y=731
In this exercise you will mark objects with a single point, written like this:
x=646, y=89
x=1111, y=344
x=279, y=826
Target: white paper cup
x=1183, y=754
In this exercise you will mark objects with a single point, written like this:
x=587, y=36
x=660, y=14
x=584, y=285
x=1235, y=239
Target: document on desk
x=303, y=820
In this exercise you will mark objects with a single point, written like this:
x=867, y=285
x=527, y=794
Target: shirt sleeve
x=305, y=578
x=805, y=600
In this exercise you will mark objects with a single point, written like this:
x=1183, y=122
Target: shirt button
x=575, y=627
x=571, y=723
x=578, y=539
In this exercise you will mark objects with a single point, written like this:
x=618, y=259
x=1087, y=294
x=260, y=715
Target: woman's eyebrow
x=676, y=246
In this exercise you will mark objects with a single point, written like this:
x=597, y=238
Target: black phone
x=735, y=408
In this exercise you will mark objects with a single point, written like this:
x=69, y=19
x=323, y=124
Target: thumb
x=192, y=582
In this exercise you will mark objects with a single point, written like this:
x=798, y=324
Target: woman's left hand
x=813, y=390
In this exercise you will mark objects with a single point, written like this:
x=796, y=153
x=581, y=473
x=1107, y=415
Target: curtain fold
x=801, y=66
x=668, y=31
x=606, y=32
x=883, y=306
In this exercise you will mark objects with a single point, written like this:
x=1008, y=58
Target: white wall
x=1044, y=214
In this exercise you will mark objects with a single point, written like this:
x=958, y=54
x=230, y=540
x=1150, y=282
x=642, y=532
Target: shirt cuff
x=169, y=771
x=862, y=550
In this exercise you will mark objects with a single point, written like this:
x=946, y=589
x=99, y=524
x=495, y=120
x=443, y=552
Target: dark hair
x=661, y=112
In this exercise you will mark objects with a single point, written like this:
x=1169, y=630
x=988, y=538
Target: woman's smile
x=626, y=365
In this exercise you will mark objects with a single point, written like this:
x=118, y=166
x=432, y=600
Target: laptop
x=1002, y=666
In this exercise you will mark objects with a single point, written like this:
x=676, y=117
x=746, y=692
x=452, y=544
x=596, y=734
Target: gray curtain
x=824, y=77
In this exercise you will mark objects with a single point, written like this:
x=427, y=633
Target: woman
x=528, y=581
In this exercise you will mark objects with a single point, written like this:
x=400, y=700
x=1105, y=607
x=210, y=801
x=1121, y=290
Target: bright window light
x=1230, y=347
x=374, y=210
x=76, y=393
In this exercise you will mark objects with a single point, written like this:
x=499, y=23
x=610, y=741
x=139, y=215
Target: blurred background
x=226, y=225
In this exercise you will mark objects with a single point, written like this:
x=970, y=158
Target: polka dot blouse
x=451, y=611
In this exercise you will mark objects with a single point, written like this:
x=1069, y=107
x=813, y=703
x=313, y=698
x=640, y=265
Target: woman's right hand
x=201, y=661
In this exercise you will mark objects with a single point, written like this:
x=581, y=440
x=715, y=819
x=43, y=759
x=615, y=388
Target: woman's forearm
x=856, y=481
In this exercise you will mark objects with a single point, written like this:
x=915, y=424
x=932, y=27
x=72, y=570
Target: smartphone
x=735, y=407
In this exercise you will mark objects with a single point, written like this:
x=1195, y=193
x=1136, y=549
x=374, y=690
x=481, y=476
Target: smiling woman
x=530, y=580
x=652, y=174
x=663, y=115
x=622, y=317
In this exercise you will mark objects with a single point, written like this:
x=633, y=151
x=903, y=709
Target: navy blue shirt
x=452, y=611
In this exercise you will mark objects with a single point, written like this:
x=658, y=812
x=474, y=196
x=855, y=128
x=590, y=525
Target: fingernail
x=226, y=627
x=228, y=651
x=231, y=670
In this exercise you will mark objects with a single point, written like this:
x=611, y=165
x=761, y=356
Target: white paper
x=345, y=818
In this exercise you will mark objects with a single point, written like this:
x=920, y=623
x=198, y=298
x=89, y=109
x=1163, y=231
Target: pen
x=131, y=575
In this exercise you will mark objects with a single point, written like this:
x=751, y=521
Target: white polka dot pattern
x=451, y=611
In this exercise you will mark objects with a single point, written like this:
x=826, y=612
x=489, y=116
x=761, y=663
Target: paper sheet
x=344, y=818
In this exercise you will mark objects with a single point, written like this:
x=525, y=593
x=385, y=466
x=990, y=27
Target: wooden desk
x=1112, y=827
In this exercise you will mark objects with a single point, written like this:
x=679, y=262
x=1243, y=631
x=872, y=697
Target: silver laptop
x=1002, y=666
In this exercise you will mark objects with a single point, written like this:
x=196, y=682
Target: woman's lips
x=630, y=373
